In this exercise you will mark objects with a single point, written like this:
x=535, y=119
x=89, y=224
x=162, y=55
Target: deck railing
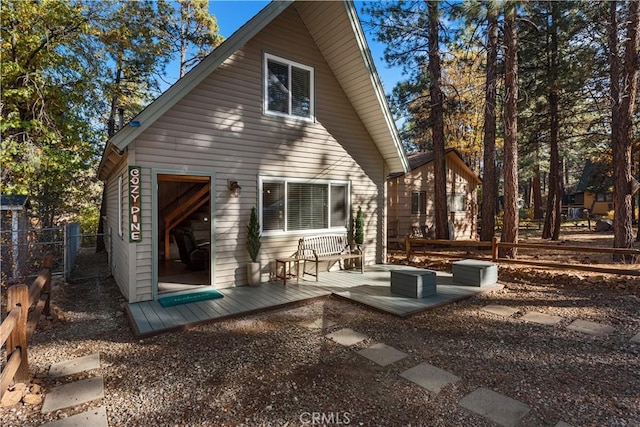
x=18, y=327
x=495, y=246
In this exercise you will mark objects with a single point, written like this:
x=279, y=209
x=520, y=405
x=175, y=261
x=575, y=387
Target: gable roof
x=421, y=158
x=14, y=202
x=596, y=176
x=357, y=75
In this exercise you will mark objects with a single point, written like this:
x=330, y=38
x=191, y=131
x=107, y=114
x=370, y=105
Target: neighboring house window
x=289, y=88
x=419, y=202
x=297, y=205
x=457, y=202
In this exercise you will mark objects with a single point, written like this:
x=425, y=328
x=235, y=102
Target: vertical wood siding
x=219, y=127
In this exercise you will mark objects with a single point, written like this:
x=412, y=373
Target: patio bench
x=327, y=248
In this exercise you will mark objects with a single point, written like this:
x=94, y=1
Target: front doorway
x=184, y=232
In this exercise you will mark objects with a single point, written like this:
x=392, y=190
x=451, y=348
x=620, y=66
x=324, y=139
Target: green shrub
x=253, y=236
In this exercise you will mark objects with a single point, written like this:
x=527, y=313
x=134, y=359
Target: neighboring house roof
x=14, y=202
x=360, y=83
x=421, y=158
x=595, y=177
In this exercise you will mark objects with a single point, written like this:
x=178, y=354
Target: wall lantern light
x=234, y=188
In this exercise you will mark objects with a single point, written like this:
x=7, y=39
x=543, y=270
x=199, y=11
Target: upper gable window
x=289, y=89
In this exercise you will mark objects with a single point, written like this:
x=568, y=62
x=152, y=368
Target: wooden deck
x=371, y=289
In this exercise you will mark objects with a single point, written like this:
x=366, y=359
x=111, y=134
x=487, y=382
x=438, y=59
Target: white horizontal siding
x=119, y=244
x=219, y=128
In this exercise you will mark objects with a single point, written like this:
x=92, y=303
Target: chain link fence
x=23, y=250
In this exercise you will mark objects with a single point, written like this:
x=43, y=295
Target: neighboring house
x=594, y=191
x=411, y=203
x=287, y=115
x=14, y=211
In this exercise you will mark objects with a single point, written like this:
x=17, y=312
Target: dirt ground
x=598, y=267
x=270, y=369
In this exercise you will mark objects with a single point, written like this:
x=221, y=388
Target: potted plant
x=359, y=234
x=253, y=247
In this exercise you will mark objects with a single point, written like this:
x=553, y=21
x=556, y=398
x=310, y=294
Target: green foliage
x=66, y=67
x=526, y=213
x=88, y=219
x=45, y=148
x=359, y=226
x=190, y=29
x=253, y=236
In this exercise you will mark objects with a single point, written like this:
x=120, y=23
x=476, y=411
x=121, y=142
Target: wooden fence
x=19, y=325
x=495, y=246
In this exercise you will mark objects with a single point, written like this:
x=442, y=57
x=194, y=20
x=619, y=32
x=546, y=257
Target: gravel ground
x=271, y=370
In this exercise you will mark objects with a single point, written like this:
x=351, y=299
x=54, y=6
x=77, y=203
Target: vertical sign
x=135, y=234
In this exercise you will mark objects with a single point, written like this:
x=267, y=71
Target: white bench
x=326, y=248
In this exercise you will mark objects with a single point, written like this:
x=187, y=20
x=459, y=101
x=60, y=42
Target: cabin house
x=411, y=203
x=287, y=115
x=594, y=191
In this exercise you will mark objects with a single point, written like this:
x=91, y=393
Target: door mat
x=172, y=300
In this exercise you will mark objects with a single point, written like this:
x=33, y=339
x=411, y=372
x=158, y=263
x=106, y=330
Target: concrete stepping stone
x=430, y=377
x=591, y=328
x=500, y=310
x=75, y=366
x=636, y=338
x=72, y=394
x=497, y=407
x=563, y=424
x=321, y=323
x=541, y=318
x=347, y=337
x=382, y=354
x=93, y=417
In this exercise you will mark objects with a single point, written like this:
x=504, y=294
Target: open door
x=184, y=232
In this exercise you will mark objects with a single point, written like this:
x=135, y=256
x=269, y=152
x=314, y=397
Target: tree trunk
x=184, y=43
x=637, y=195
x=552, y=221
x=111, y=130
x=489, y=178
x=622, y=142
x=437, y=126
x=537, y=193
x=510, y=219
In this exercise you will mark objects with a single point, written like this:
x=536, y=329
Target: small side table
x=286, y=269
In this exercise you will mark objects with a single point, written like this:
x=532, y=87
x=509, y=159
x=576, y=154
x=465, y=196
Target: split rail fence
x=24, y=307
x=495, y=246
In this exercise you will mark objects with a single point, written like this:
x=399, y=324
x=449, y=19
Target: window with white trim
x=288, y=88
x=301, y=205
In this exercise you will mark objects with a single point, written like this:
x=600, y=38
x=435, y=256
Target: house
x=287, y=115
x=593, y=192
x=14, y=213
x=411, y=203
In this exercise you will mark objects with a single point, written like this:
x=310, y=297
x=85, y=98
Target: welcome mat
x=172, y=300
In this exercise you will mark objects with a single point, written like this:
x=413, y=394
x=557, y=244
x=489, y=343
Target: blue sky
x=232, y=14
